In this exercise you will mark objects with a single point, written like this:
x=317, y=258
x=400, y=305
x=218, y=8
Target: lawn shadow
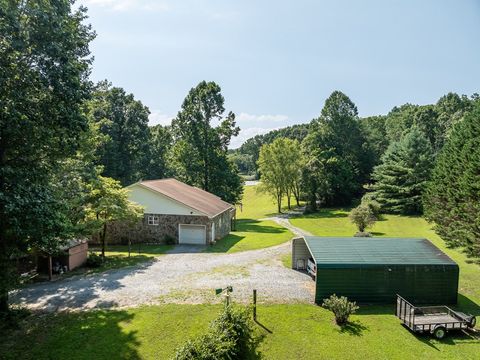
x=355, y=328
x=263, y=326
x=94, y=334
x=452, y=338
x=252, y=225
x=377, y=233
x=75, y=292
x=466, y=305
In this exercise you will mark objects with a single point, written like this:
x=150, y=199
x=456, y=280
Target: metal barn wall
x=299, y=252
x=419, y=284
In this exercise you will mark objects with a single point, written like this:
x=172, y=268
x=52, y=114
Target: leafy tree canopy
x=200, y=149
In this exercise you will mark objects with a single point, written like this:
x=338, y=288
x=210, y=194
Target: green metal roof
x=346, y=252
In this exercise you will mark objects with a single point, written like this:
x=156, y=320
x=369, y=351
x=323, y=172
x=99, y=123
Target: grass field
x=251, y=235
x=252, y=232
x=294, y=332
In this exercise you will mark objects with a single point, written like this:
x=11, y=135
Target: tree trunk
x=103, y=236
x=288, y=201
x=50, y=267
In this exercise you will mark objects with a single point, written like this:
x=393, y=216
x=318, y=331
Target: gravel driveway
x=184, y=277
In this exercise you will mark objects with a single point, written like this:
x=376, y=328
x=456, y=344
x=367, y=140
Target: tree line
x=416, y=159
x=69, y=147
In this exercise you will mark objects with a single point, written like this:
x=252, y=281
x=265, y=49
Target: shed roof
x=193, y=197
x=346, y=252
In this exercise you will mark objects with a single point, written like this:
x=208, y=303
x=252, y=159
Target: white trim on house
x=153, y=220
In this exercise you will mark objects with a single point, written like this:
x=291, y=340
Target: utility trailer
x=436, y=320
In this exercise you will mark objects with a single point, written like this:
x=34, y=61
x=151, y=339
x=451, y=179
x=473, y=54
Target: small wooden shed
x=69, y=257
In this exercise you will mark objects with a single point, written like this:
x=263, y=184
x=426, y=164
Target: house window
x=153, y=220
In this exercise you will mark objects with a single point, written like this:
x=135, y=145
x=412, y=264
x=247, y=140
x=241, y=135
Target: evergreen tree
x=452, y=199
x=401, y=178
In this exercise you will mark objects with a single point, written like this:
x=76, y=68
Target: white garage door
x=192, y=234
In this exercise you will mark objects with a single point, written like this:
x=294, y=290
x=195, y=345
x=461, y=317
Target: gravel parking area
x=183, y=277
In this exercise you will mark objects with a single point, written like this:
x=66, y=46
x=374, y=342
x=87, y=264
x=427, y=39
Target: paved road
x=178, y=277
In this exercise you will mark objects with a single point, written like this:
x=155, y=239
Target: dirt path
x=178, y=277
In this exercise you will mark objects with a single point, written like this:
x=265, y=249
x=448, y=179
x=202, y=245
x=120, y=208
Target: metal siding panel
x=418, y=284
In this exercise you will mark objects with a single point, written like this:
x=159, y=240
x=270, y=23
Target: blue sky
x=277, y=61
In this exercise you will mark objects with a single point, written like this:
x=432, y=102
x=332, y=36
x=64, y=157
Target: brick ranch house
x=177, y=211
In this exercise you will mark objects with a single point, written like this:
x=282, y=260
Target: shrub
x=369, y=201
x=341, y=308
x=94, y=260
x=230, y=336
x=362, y=217
x=169, y=240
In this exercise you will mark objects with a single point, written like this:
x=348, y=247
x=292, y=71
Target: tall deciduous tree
x=402, y=177
x=336, y=144
x=280, y=164
x=200, y=150
x=159, y=153
x=452, y=200
x=124, y=120
x=44, y=66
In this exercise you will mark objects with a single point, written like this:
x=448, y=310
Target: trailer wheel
x=439, y=332
x=472, y=322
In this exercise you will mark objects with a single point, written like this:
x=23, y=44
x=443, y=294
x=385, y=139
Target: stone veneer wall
x=119, y=233
x=223, y=224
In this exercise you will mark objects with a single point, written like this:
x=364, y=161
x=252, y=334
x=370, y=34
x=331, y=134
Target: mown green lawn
x=257, y=205
x=294, y=332
x=252, y=232
x=251, y=235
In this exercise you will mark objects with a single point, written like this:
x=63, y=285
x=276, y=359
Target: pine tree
x=402, y=177
x=452, y=199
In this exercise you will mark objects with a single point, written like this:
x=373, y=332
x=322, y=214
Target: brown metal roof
x=191, y=196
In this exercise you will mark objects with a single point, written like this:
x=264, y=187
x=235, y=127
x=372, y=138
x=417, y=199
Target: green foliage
x=230, y=336
x=280, y=165
x=169, y=240
x=341, y=308
x=159, y=153
x=335, y=153
x=252, y=146
x=369, y=201
x=124, y=121
x=244, y=162
x=402, y=177
x=108, y=202
x=94, y=260
x=363, y=217
x=200, y=150
x=452, y=199
x=44, y=65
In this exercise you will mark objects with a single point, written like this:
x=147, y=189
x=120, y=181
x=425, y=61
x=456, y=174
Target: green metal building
x=374, y=270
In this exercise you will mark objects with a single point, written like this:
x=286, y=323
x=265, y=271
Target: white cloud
x=125, y=5
x=247, y=133
x=261, y=118
x=158, y=117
